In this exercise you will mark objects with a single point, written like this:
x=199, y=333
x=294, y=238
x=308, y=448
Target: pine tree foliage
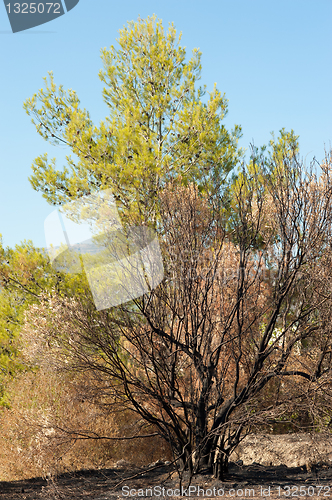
x=160, y=126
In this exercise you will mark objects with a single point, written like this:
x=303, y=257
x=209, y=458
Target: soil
x=312, y=479
x=293, y=450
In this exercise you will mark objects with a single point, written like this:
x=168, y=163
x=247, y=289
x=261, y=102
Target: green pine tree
x=160, y=126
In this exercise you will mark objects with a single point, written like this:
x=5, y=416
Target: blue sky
x=272, y=58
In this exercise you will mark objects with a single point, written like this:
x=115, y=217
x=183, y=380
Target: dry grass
x=34, y=442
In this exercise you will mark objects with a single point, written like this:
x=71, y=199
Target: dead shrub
x=40, y=431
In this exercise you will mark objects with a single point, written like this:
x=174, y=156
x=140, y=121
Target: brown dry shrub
x=37, y=431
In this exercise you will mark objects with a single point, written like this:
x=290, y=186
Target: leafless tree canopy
x=239, y=331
